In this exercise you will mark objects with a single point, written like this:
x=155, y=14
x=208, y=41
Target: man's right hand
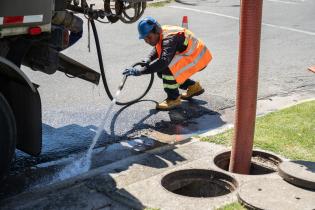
x=132, y=72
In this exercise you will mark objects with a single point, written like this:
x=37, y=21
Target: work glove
x=132, y=72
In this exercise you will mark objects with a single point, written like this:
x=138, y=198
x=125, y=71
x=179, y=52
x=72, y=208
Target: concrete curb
x=297, y=103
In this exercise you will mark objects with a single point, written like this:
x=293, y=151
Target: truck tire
x=7, y=135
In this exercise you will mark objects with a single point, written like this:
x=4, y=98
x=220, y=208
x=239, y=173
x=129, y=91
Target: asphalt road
x=72, y=108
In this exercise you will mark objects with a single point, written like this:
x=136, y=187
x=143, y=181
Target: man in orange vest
x=176, y=56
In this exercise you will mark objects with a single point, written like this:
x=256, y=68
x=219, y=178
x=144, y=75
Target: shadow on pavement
x=190, y=119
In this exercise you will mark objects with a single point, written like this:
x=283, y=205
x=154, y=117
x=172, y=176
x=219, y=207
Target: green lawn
x=289, y=132
x=232, y=206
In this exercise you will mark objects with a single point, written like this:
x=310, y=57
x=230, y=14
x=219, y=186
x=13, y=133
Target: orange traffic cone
x=185, y=22
x=312, y=68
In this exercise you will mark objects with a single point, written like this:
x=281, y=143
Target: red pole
x=247, y=84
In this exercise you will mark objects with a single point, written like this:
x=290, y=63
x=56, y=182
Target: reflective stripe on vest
x=195, y=58
x=180, y=56
x=193, y=63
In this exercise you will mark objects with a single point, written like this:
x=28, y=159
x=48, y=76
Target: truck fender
x=13, y=72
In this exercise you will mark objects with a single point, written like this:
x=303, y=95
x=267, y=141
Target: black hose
x=99, y=55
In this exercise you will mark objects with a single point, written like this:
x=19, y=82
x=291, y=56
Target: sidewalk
x=135, y=183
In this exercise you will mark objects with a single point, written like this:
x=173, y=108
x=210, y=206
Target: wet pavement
x=177, y=124
x=69, y=143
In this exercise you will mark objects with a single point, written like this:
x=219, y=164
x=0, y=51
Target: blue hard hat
x=145, y=26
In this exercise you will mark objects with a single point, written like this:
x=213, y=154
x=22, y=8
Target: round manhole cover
x=199, y=183
x=299, y=172
x=261, y=163
x=275, y=194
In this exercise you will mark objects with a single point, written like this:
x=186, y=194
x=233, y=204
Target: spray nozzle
x=122, y=84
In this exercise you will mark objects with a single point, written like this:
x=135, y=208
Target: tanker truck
x=34, y=33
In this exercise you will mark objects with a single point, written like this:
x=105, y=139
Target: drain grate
x=199, y=183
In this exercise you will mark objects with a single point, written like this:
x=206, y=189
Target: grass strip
x=232, y=206
x=289, y=132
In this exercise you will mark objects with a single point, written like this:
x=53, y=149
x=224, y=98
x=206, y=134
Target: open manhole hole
x=199, y=183
x=261, y=163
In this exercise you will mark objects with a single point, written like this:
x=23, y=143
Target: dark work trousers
x=171, y=86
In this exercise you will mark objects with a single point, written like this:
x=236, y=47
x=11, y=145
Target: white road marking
x=236, y=18
x=289, y=29
x=205, y=12
x=284, y=2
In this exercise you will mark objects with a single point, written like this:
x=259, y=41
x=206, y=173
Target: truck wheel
x=7, y=136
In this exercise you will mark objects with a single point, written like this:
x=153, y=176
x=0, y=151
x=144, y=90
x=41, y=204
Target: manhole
x=262, y=162
x=199, y=183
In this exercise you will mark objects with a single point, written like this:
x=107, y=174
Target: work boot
x=169, y=104
x=192, y=90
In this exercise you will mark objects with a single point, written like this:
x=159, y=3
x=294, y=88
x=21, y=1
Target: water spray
x=84, y=163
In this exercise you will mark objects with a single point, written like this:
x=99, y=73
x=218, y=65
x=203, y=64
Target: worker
x=176, y=56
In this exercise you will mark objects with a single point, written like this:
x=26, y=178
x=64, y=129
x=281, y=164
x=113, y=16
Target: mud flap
x=26, y=106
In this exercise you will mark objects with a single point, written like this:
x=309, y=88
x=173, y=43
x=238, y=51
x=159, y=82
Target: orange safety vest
x=195, y=58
